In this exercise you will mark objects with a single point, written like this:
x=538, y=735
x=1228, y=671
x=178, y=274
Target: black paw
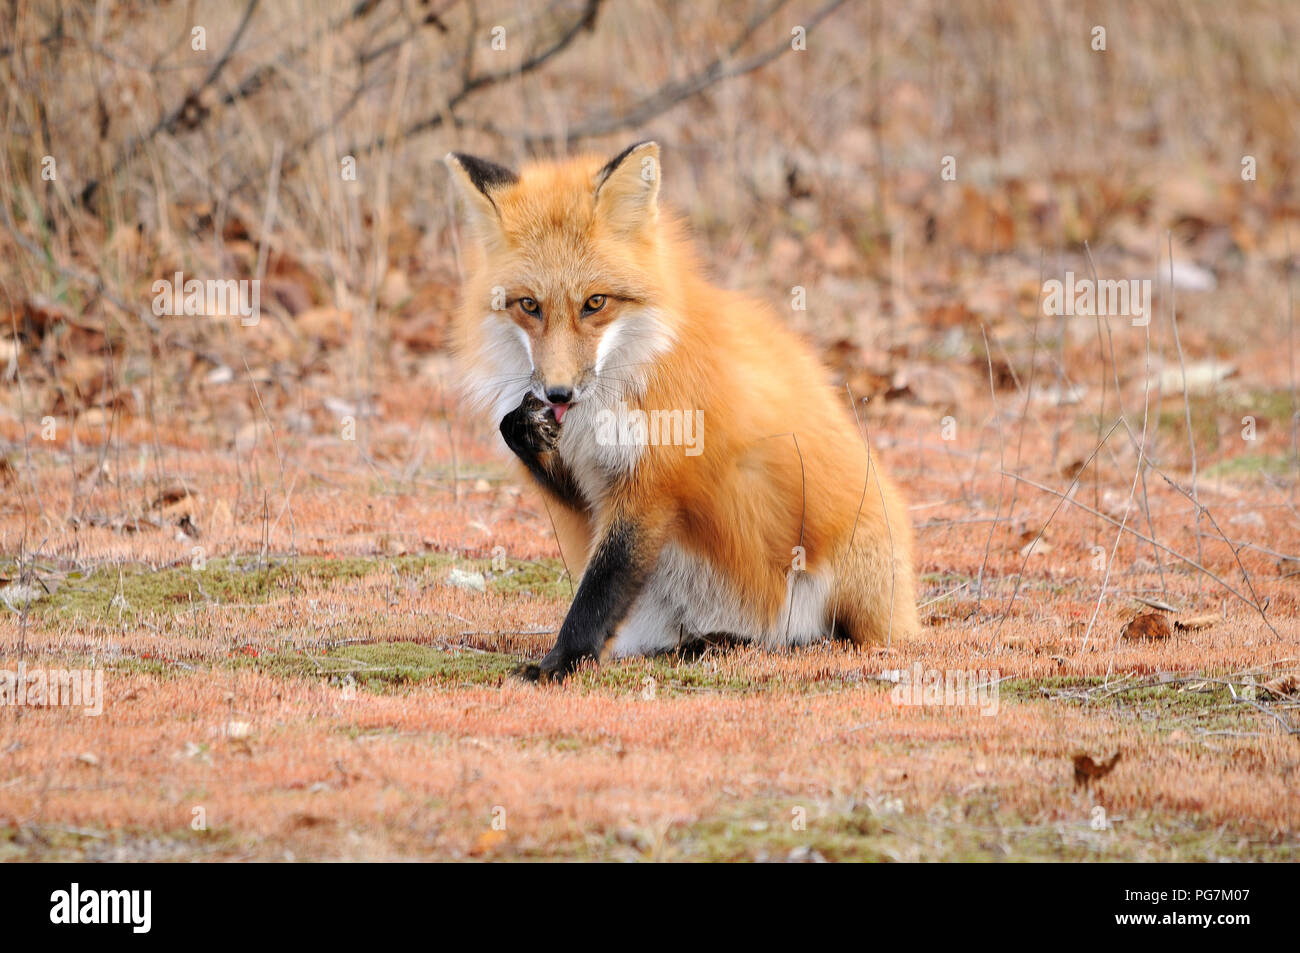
x=531, y=428
x=553, y=668
x=529, y=672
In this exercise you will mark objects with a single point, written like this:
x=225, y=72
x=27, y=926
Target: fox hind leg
x=875, y=593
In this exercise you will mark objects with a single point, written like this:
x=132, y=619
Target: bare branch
x=184, y=112
x=666, y=96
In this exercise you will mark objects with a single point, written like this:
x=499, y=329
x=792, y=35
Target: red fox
x=702, y=474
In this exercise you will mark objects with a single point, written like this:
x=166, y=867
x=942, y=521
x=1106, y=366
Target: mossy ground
x=131, y=589
x=874, y=820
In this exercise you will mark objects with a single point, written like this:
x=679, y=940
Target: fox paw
x=531, y=672
x=531, y=428
x=552, y=668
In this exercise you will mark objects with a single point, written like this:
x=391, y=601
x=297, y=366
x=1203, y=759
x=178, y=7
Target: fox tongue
x=560, y=411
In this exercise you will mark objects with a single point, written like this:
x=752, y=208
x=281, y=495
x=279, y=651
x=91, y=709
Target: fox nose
x=559, y=395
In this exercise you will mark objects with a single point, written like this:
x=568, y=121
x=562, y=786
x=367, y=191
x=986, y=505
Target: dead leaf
x=169, y=495
x=1034, y=544
x=306, y=819
x=1086, y=770
x=1283, y=685
x=293, y=295
x=1149, y=625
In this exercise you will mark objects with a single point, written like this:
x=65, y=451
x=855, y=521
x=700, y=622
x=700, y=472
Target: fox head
x=567, y=295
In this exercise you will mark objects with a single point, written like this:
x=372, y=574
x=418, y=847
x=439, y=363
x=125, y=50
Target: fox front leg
x=619, y=567
x=532, y=434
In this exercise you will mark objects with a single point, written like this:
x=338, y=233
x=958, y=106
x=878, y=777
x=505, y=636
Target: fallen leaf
x=1283, y=685
x=1035, y=545
x=1149, y=625
x=1086, y=770
x=168, y=496
x=305, y=819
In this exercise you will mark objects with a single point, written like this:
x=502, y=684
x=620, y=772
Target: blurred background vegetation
x=128, y=155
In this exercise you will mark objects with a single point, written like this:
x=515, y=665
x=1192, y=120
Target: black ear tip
x=484, y=174
x=615, y=162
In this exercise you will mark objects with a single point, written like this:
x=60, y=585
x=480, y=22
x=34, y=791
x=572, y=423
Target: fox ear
x=477, y=179
x=627, y=188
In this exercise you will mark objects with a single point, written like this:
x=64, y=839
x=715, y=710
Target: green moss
x=62, y=844
x=389, y=666
x=766, y=830
x=544, y=578
x=968, y=829
x=1189, y=703
x=376, y=666
x=134, y=590
x=1216, y=425
x=1274, y=407
x=1171, y=424
x=129, y=590
x=1251, y=465
x=671, y=674
x=386, y=666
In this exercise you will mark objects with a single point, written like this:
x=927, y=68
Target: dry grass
x=413, y=758
x=374, y=713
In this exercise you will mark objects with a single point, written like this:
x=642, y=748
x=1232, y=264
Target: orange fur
x=783, y=463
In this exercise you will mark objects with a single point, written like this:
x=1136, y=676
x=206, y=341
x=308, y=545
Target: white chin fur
x=499, y=375
x=624, y=356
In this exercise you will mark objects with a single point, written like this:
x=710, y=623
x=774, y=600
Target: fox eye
x=593, y=304
x=530, y=306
